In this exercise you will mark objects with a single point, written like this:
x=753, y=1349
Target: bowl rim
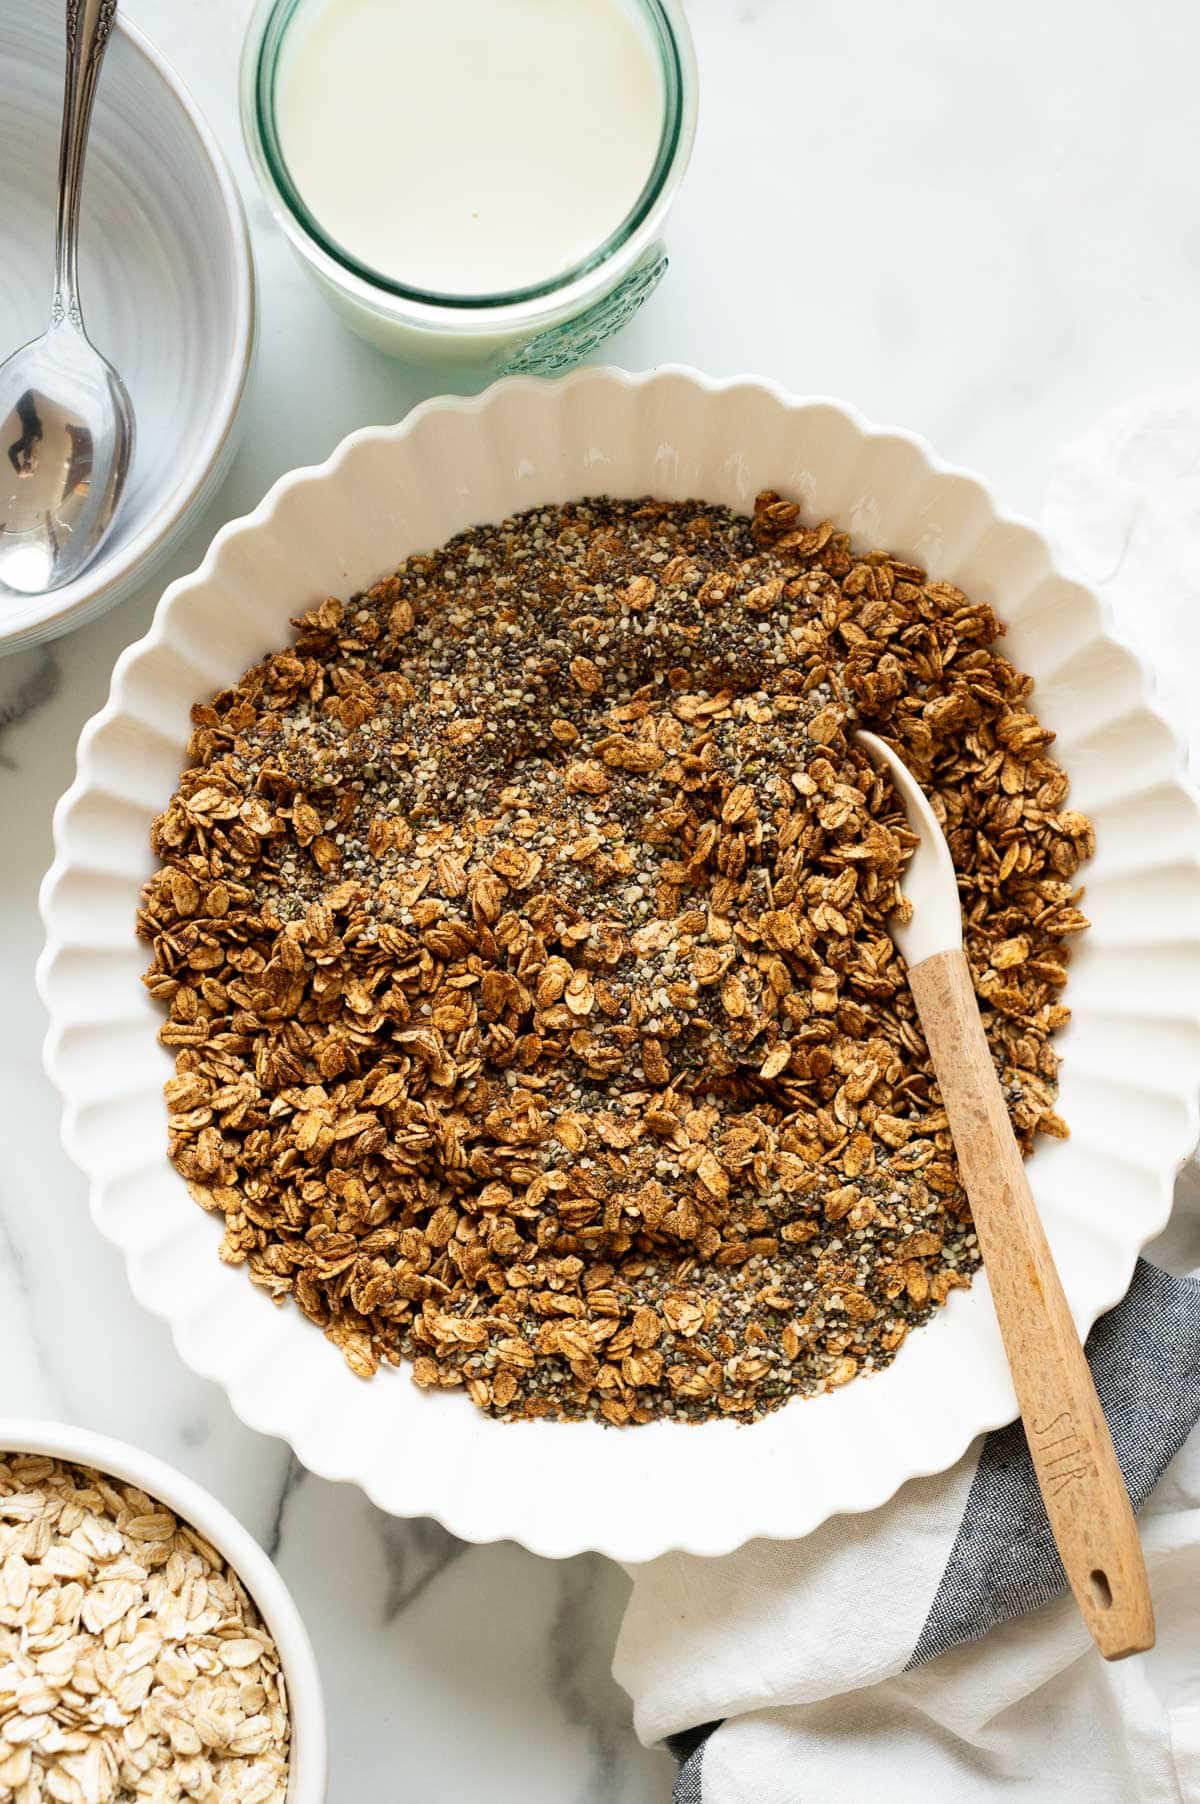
x=111, y=574
x=866, y=1487
x=216, y=1522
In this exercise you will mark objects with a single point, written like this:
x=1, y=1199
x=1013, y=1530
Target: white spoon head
x=930, y=883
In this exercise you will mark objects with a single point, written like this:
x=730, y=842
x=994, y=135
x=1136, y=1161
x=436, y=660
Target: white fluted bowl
x=1132, y=1054
x=308, y=1754
x=166, y=278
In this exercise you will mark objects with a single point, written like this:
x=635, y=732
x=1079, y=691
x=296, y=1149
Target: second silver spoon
x=66, y=422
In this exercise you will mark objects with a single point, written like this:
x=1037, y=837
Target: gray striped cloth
x=1145, y=1356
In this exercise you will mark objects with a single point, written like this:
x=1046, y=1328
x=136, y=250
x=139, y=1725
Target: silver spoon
x=66, y=423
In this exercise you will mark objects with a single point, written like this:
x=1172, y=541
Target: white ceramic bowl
x=309, y=1754
x=166, y=278
x=1132, y=1054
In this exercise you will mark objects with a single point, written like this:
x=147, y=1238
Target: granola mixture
x=133, y=1666
x=523, y=935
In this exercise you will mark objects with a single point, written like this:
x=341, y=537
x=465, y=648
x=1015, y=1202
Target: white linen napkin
x=924, y=1651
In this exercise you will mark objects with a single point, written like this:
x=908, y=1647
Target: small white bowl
x=194, y=1505
x=1131, y=1076
x=166, y=277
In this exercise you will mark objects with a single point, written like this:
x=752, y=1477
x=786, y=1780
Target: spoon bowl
x=66, y=444
x=930, y=884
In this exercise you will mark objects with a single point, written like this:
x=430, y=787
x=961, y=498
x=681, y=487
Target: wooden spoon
x=1068, y=1438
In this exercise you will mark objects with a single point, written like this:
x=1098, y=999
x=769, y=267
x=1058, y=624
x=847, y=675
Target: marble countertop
x=981, y=223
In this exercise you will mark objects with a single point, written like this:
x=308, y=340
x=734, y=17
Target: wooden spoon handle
x=1072, y=1450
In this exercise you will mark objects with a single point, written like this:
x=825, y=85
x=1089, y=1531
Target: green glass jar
x=543, y=328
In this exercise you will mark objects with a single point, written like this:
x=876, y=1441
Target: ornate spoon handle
x=89, y=27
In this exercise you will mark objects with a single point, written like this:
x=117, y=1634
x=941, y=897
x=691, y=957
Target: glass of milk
x=482, y=181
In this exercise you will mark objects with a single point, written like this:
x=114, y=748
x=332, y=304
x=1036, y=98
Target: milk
x=470, y=147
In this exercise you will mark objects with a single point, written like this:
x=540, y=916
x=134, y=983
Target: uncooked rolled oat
x=133, y=1664
x=523, y=934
